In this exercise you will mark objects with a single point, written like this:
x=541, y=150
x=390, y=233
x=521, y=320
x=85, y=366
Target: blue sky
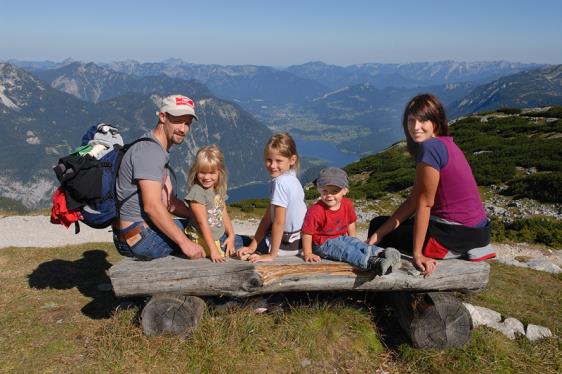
x=281, y=33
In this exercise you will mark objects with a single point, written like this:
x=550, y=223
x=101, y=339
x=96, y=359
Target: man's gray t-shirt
x=144, y=160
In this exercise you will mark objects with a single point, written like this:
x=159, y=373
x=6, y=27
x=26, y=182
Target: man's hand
x=193, y=250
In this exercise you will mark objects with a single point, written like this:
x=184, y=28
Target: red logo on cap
x=184, y=101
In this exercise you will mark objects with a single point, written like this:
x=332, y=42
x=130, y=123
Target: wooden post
x=172, y=314
x=432, y=320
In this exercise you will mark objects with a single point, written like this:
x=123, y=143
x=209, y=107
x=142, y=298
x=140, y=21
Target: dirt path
x=37, y=231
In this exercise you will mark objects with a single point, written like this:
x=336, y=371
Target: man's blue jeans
x=348, y=249
x=154, y=244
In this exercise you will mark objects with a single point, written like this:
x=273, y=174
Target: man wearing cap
x=329, y=229
x=146, y=229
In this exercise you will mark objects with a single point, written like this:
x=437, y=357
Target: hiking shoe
x=385, y=263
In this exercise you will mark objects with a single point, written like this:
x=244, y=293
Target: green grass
x=56, y=318
x=528, y=295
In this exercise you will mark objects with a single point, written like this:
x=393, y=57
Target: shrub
x=249, y=205
x=536, y=230
x=510, y=110
x=544, y=187
x=539, y=230
x=554, y=112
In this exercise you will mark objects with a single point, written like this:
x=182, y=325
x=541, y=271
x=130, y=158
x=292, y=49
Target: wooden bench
x=426, y=307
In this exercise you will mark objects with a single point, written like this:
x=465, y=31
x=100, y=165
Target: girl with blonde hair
x=210, y=225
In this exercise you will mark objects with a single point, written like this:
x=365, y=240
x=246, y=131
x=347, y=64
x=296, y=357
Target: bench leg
x=432, y=320
x=172, y=314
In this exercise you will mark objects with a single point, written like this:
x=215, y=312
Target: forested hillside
x=521, y=151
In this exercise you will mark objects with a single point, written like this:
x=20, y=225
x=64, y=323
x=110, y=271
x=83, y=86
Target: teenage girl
x=279, y=231
x=210, y=225
x=449, y=218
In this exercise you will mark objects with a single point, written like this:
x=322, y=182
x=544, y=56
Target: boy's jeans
x=348, y=249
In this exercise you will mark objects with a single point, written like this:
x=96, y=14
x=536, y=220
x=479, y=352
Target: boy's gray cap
x=332, y=177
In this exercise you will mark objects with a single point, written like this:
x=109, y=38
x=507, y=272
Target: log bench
x=426, y=307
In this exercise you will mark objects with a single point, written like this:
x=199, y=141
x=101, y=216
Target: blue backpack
x=89, y=183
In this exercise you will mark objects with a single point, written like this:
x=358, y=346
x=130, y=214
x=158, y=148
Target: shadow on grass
x=87, y=274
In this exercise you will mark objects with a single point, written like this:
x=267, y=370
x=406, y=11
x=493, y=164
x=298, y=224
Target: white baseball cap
x=178, y=105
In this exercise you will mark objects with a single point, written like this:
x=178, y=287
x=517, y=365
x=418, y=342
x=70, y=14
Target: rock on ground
x=510, y=327
x=537, y=263
x=535, y=332
x=482, y=316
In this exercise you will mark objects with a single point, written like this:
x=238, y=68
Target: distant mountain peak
x=173, y=61
x=13, y=85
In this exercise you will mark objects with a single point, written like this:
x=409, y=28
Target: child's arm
x=258, y=236
x=307, y=249
x=352, y=229
x=200, y=214
x=276, y=234
x=229, y=243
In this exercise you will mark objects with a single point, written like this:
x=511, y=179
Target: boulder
x=535, y=332
x=511, y=327
x=542, y=264
x=482, y=316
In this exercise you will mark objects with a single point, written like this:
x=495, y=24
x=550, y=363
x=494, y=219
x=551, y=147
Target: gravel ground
x=37, y=231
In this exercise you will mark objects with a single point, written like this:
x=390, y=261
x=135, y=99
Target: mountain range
x=46, y=106
x=538, y=87
x=407, y=75
x=39, y=124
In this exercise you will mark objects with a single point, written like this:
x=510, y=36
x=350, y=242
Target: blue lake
x=314, y=149
x=325, y=151
x=252, y=191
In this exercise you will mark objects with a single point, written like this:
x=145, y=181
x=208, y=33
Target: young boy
x=329, y=229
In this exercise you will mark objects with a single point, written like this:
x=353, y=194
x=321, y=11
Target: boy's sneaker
x=385, y=263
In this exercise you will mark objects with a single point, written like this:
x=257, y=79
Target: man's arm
x=157, y=212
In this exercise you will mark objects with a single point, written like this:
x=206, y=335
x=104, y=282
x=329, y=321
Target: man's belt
x=129, y=234
x=131, y=231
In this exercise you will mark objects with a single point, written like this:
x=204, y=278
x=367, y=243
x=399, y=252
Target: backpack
x=89, y=183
